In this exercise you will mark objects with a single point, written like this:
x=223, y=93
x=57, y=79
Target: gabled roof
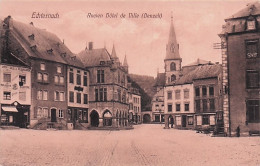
x=94, y=56
x=251, y=9
x=40, y=43
x=160, y=79
x=200, y=72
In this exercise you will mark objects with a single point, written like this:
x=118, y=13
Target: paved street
x=145, y=145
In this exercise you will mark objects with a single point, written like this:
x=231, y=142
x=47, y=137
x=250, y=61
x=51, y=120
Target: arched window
x=172, y=66
x=173, y=77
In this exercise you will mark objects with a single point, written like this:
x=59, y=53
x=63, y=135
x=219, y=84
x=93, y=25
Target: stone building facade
x=240, y=58
x=108, y=93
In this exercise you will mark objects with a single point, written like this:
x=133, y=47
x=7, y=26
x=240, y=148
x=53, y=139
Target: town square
x=129, y=83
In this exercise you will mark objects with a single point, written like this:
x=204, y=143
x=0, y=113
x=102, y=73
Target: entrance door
x=53, y=115
x=94, y=118
x=183, y=120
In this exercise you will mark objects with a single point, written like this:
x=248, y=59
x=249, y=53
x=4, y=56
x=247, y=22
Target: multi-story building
x=240, y=59
x=108, y=104
x=158, y=99
x=78, y=92
x=44, y=53
x=15, y=94
x=194, y=99
x=134, y=106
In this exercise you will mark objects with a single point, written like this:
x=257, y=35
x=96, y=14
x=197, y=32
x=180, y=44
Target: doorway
x=53, y=115
x=183, y=120
x=94, y=117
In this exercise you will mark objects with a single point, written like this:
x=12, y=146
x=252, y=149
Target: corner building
x=241, y=67
x=108, y=100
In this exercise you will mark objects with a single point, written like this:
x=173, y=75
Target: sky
x=143, y=40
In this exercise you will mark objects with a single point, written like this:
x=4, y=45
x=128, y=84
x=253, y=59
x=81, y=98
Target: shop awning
x=9, y=109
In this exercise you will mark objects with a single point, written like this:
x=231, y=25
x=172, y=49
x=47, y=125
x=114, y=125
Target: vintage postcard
x=171, y=82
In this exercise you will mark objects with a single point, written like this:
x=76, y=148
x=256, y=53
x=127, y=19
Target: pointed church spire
x=172, y=47
x=125, y=62
x=113, y=54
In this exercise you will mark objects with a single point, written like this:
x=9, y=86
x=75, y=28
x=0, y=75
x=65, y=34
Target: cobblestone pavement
x=145, y=145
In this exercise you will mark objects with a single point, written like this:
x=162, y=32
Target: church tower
x=172, y=61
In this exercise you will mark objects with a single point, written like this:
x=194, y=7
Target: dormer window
x=63, y=54
x=31, y=36
x=50, y=51
x=102, y=62
x=33, y=48
x=73, y=58
x=251, y=23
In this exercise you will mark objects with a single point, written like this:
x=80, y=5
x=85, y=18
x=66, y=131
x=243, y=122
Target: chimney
x=90, y=45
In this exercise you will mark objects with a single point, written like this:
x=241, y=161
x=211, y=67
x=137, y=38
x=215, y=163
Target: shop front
x=15, y=115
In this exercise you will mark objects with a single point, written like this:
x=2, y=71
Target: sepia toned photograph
x=129, y=83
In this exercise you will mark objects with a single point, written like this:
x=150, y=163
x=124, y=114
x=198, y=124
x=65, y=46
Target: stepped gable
x=201, y=72
x=94, y=56
x=40, y=43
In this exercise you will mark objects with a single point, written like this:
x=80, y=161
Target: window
x=197, y=91
x=71, y=76
x=172, y=66
x=96, y=94
x=101, y=94
x=7, y=77
x=71, y=96
x=45, y=95
x=85, y=115
x=105, y=94
x=7, y=96
x=101, y=76
x=39, y=76
x=252, y=49
x=78, y=77
x=169, y=95
x=204, y=90
x=169, y=107
x=56, y=79
x=253, y=111
x=58, y=69
x=60, y=113
x=85, y=98
x=22, y=96
x=251, y=23
x=205, y=119
x=212, y=104
x=85, y=79
x=39, y=94
x=78, y=98
x=252, y=79
x=186, y=94
x=22, y=79
x=178, y=120
x=190, y=120
x=119, y=95
x=42, y=66
x=173, y=77
x=61, y=80
x=45, y=77
x=211, y=91
x=177, y=94
x=197, y=103
x=187, y=106
x=59, y=96
x=178, y=107
x=205, y=105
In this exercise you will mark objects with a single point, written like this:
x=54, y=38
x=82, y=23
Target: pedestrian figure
x=171, y=122
x=238, y=131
